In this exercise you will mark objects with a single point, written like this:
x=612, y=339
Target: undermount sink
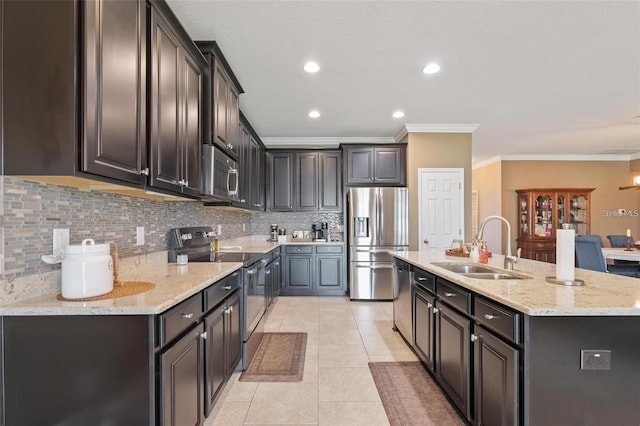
x=472, y=270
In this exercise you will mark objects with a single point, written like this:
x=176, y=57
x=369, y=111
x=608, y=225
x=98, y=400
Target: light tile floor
x=337, y=388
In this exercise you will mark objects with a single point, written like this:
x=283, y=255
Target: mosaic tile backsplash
x=31, y=211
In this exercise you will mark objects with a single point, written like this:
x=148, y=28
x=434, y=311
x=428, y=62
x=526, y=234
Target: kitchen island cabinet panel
x=496, y=380
x=78, y=371
x=453, y=337
x=561, y=391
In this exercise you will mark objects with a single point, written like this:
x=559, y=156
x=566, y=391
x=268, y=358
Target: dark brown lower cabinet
x=424, y=326
x=495, y=383
x=182, y=380
x=453, y=336
x=222, y=350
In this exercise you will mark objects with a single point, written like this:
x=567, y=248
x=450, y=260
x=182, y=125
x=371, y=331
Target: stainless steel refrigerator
x=377, y=223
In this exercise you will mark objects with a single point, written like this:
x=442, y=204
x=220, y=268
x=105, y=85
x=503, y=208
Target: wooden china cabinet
x=543, y=210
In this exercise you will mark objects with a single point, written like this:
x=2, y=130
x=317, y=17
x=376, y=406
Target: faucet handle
x=519, y=252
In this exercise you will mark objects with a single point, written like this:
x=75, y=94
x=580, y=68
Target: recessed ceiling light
x=398, y=114
x=311, y=67
x=314, y=114
x=431, y=68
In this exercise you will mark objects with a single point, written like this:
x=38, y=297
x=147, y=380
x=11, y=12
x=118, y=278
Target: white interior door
x=441, y=207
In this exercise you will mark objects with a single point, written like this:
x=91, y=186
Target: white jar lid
x=88, y=246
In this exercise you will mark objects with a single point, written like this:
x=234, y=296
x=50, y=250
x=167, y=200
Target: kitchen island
x=525, y=351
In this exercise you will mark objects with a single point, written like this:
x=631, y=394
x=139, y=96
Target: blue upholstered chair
x=620, y=241
x=589, y=256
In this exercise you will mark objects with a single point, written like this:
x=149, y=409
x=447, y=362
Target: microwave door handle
x=229, y=173
x=235, y=192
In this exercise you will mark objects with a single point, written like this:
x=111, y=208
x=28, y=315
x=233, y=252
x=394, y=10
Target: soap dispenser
x=474, y=255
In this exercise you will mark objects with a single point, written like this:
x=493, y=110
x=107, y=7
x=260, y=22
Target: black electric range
x=197, y=243
x=247, y=259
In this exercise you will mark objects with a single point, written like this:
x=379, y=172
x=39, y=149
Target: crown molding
x=635, y=156
x=486, y=163
x=319, y=142
x=440, y=128
x=565, y=157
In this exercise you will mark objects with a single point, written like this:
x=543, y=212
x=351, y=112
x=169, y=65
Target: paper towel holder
x=574, y=283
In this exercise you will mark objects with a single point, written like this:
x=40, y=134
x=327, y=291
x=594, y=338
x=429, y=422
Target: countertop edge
x=537, y=273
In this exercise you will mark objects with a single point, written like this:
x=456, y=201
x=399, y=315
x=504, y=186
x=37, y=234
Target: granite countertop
x=602, y=295
x=173, y=284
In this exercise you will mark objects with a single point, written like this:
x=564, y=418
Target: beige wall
x=437, y=150
x=604, y=176
x=488, y=181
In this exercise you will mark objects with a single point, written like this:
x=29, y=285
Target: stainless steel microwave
x=220, y=175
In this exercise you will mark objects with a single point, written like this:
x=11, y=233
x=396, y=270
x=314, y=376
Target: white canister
x=87, y=270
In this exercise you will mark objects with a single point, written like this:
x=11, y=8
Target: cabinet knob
x=422, y=279
x=145, y=171
x=436, y=310
x=429, y=306
x=226, y=287
x=203, y=335
x=450, y=294
x=490, y=316
x=475, y=338
x=187, y=316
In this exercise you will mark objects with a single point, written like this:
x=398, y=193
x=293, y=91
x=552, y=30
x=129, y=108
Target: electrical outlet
x=219, y=230
x=244, y=227
x=139, y=235
x=60, y=240
x=595, y=359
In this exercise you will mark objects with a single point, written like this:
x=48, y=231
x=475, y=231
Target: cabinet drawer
x=329, y=249
x=453, y=295
x=424, y=279
x=299, y=249
x=497, y=318
x=217, y=292
x=179, y=318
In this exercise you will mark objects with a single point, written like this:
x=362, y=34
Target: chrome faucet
x=509, y=259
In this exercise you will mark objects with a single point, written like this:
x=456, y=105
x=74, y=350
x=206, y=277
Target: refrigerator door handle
x=380, y=214
x=372, y=251
x=375, y=267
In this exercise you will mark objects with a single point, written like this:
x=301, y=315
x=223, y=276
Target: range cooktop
x=246, y=258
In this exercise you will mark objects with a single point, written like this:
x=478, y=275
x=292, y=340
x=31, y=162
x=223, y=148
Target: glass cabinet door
x=579, y=212
x=524, y=215
x=561, y=209
x=544, y=215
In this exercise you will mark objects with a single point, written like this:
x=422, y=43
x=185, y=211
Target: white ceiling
x=537, y=77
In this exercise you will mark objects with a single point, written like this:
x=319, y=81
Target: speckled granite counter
x=602, y=294
x=173, y=283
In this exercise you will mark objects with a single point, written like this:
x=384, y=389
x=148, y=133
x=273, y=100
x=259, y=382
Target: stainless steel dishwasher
x=402, y=312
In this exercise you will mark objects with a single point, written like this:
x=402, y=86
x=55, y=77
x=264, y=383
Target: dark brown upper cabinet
x=114, y=105
x=87, y=103
x=252, y=167
x=381, y=165
x=177, y=70
x=222, y=91
x=306, y=181
x=75, y=106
